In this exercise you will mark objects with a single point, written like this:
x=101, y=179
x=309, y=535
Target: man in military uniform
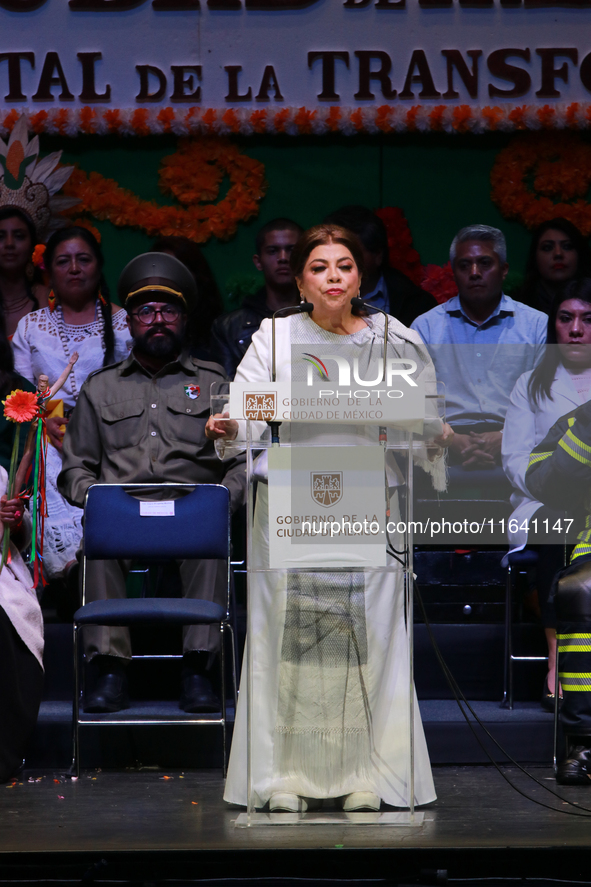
x=142, y=421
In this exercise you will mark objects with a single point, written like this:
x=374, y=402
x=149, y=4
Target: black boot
x=197, y=693
x=111, y=692
x=576, y=768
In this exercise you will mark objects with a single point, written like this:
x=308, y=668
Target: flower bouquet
x=19, y=407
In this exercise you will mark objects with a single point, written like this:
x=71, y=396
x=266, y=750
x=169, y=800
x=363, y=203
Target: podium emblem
x=260, y=407
x=327, y=487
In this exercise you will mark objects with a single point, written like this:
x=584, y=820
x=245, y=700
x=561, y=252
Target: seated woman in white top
x=560, y=383
x=79, y=318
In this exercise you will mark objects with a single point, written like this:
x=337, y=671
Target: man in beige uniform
x=143, y=421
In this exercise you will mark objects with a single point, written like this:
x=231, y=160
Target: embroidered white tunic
x=331, y=698
x=43, y=344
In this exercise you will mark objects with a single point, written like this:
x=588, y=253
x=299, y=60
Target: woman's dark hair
x=210, y=303
x=6, y=364
x=13, y=212
x=540, y=382
x=528, y=292
x=62, y=236
x=320, y=235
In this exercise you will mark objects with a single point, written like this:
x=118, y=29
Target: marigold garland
x=193, y=175
x=558, y=165
x=196, y=121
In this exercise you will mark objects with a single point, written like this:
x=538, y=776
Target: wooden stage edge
x=151, y=824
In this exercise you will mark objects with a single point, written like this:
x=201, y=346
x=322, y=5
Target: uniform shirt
x=130, y=426
x=480, y=363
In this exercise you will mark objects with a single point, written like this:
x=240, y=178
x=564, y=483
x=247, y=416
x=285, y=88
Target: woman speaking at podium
x=330, y=709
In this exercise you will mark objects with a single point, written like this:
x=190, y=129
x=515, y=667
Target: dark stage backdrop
x=440, y=182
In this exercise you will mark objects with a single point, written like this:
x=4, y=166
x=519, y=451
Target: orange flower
x=303, y=120
x=411, y=117
x=87, y=119
x=281, y=118
x=37, y=257
x=20, y=406
x=558, y=165
x=436, y=117
x=166, y=117
x=258, y=120
x=193, y=175
x=12, y=117
x=61, y=120
x=492, y=116
x=230, y=119
x=357, y=120
x=334, y=116
x=113, y=119
x=382, y=116
x=461, y=118
x=139, y=121
x=38, y=121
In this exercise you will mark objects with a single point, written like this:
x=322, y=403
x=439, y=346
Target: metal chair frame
x=225, y=624
x=510, y=658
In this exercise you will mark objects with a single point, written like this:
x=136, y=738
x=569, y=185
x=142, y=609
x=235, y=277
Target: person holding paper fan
x=142, y=421
x=330, y=709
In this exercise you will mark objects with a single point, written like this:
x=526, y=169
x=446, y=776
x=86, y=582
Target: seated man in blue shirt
x=481, y=341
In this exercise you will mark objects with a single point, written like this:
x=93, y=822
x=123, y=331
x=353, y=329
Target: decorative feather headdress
x=30, y=184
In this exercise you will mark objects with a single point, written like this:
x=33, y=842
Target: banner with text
x=323, y=57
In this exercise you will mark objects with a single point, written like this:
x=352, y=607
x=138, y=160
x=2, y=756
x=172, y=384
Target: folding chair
x=517, y=562
x=115, y=529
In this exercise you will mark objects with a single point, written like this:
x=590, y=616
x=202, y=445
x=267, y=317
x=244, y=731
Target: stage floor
x=153, y=815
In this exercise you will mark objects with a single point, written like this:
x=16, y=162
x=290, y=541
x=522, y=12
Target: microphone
x=302, y=308
x=356, y=302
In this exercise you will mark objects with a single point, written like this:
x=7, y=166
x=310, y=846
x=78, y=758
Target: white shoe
x=360, y=801
x=287, y=802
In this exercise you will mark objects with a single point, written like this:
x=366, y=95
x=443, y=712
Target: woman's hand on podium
x=221, y=427
x=446, y=436
x=435, y=450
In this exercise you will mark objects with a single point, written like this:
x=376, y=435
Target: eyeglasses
x=147, y=314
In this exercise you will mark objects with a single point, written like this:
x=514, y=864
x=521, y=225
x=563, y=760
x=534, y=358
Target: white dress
x=43, y=344
x=331, y=696
x=18, y=598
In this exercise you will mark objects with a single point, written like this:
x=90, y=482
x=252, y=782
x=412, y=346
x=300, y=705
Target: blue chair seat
x=160, y=611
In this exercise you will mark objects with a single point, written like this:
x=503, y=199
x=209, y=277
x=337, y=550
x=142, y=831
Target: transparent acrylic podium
x=327, y=705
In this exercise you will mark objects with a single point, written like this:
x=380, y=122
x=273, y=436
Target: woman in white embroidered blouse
x=79, y=318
